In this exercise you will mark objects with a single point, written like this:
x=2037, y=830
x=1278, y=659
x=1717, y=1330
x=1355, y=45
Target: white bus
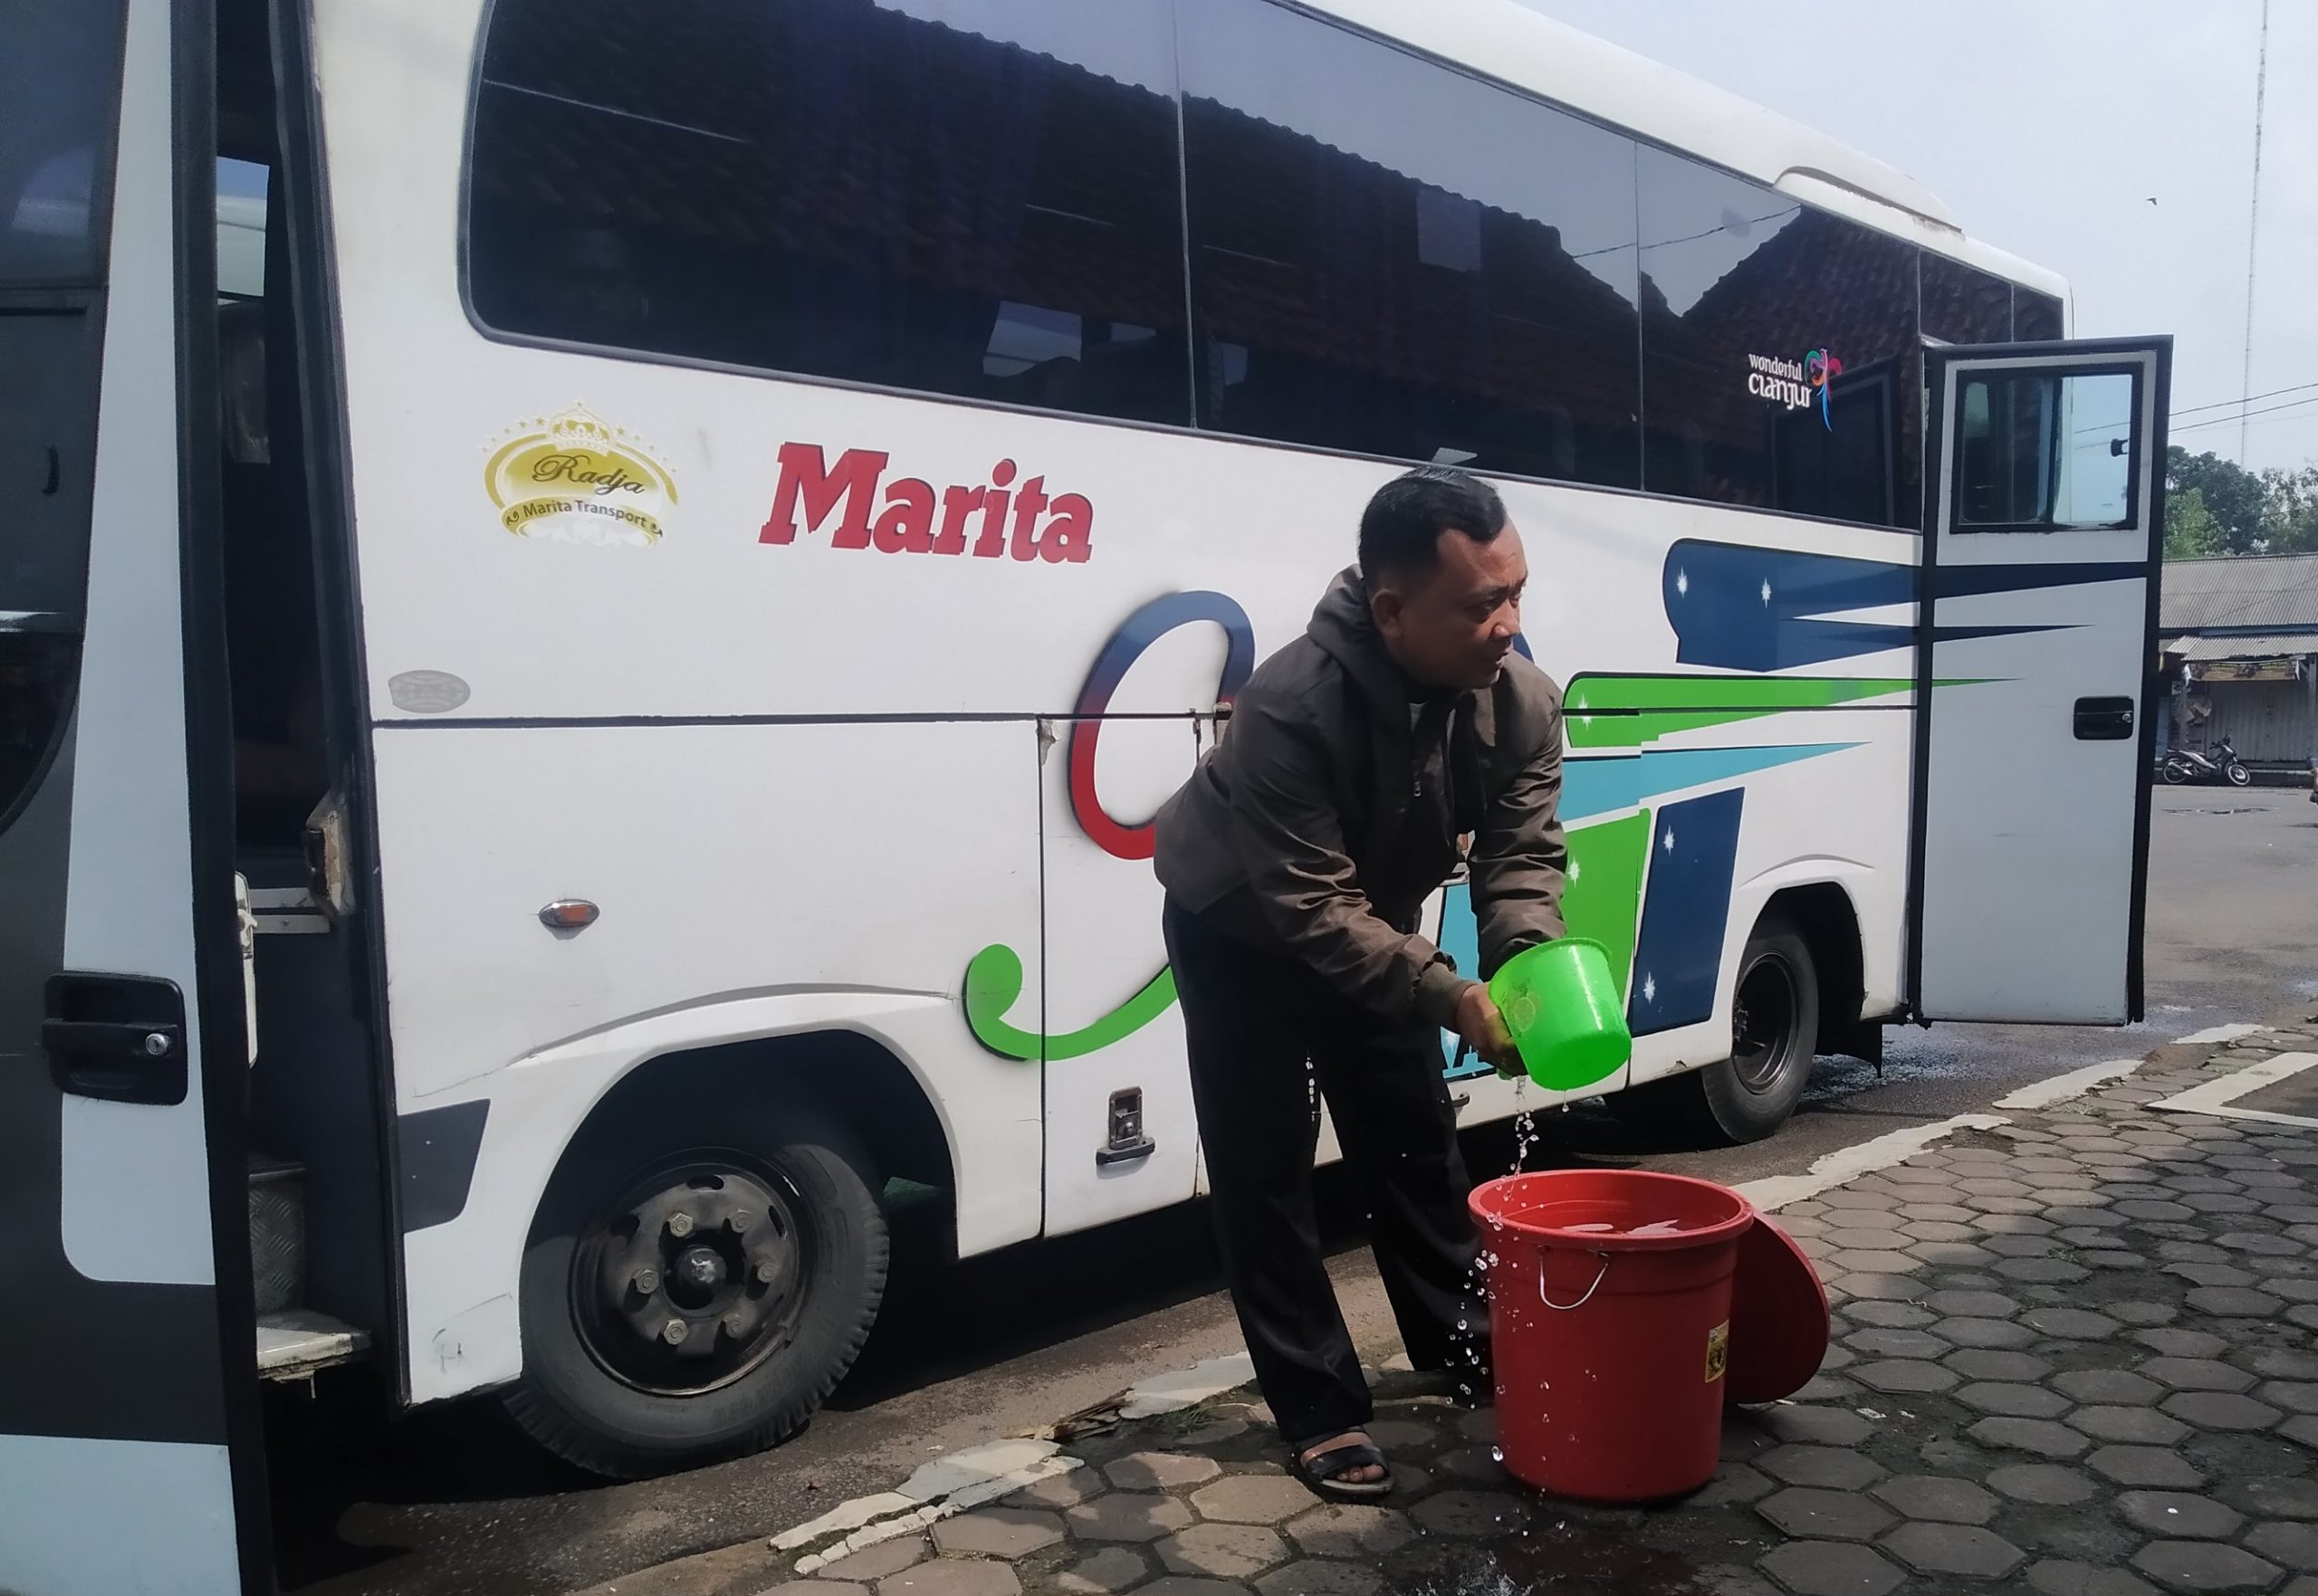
x=674, y=566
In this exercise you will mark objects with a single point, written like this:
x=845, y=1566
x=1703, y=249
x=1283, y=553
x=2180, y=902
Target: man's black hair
x=1399, y=532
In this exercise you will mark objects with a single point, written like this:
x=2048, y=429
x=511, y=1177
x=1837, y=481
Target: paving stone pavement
x=2077, y=1352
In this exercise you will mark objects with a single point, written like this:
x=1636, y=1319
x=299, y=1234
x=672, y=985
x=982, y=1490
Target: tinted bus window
x=978, y=197
x=1393, y=258
x=60, y=85
x=2035, y=317
x=1964, y=306
x=1779, y=348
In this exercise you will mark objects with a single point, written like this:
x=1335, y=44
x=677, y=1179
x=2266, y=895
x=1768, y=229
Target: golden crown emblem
x=575, y=430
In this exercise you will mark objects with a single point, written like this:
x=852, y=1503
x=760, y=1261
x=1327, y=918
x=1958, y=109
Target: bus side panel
x=753, y=881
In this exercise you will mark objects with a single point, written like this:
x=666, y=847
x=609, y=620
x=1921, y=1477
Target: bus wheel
x=689, y=1297
x=1774, y=1035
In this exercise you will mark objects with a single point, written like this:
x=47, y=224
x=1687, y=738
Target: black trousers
x=1253, y=1020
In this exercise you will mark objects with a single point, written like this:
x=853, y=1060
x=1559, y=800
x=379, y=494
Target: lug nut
x=645, y=1281
x=680, y=1224
x=768, y=1272
x=675, y=1331
x=740, y=1221
x=736, y=1325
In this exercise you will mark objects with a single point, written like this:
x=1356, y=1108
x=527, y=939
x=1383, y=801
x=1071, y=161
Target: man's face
x=1453, y=627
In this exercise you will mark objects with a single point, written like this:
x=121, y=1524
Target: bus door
x=127, y=1395
x=2038, y=645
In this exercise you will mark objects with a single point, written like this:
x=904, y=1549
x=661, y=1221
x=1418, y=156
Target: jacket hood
x=1342, y=626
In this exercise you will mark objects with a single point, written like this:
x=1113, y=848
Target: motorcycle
x=2186, y=764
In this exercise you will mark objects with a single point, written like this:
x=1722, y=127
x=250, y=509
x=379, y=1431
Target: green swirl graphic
x=994, y=983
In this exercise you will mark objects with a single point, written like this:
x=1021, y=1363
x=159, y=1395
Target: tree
x=2234, y=499
x=2290, y=511
x=2190, y=531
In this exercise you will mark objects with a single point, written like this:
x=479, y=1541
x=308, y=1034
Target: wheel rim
x=694, y=1277
x=1763, y=1023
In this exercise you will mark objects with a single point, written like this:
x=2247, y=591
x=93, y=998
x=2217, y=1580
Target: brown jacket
x=1324, y=818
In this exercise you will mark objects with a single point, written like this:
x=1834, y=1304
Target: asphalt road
x=452, y=1501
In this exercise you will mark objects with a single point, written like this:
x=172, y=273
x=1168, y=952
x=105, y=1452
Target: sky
x=2047, y=127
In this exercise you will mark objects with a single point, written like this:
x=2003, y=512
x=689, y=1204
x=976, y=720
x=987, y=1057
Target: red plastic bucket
x=1610, y=1315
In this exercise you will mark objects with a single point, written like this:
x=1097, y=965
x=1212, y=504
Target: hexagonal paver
x=2302, y=1431
x=1822, y=1427
x=998, y=1532
x=815, y=1588
x=1889, y=1315
x=2197, y=1374
x=1190, y=1585
x=2182, y=1344
x=2196, y=1567
x=1833, y=1515
x=1904, y=1376
x=2294, y=1544
x=1972, y=1304
x=1954, y=1549
x=874, y=1563
x=972, y=1578
x=2116, y=1386
x=1989, y=1363
x=1831, y=1568
x=1835, y=1468
x=2071, y=1324
x=1468, y=1515
x=2144, y=1426
x=1734, y=1485
x=2295, y=1396
x=1985, y=1333
x=2229, y=1302
x=2178, y=1516
x=1135, y=1515
x=1937, y=1499
x=2273, y=1496
x=2045, y=1485
x=2151, y=1467
x=1060, y=1491
x=2013, y=1400
x=2057, y=1576
x=1313, y=1577
x=1112, y=1570
x=1163, y=1471
x=2221, y=1410
x=2279, y=1362
x=1896, y=1343
x=1222, y=1551
x=1353, y=1530
x=2040, y=1436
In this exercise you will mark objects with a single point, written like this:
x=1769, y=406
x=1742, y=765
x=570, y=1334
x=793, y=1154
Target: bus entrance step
x=292, y=1344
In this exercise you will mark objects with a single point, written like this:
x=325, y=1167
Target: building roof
x=2247, y=593
x=2244, y=645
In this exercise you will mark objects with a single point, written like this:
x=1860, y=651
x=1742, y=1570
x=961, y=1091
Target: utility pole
x=2253, y=218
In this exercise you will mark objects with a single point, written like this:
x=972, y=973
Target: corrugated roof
x=2252, y=645
x=2274, y=592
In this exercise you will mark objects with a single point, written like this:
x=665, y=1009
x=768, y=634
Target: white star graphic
x=1650, y=988
x=1576, y=868
x=1682, y=583
x=1667, y=841
x=1767, y=592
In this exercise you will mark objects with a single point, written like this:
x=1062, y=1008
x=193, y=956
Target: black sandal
x=1323, y=1474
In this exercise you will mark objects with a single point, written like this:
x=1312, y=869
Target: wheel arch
x=1825, y=915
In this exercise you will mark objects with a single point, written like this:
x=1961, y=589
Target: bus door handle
x=2104, y=720
x=119, y=1039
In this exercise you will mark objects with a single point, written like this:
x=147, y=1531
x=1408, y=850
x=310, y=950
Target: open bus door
x=127, y=1392
x=2038, y=628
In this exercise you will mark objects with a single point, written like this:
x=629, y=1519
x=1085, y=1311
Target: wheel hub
x=1763, y=1017
x=692, y=1282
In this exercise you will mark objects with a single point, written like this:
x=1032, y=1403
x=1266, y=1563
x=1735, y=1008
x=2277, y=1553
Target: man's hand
x=1483, y=1030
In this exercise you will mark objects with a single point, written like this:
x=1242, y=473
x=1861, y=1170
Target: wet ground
x=452, y=1501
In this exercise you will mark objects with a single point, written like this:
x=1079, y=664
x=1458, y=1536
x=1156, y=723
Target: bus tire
x=761, y=1238
x=1774, y=1036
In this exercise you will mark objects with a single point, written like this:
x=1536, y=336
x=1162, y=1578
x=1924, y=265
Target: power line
x=2226, y=420
x=2254, y=212
x=2249, y=399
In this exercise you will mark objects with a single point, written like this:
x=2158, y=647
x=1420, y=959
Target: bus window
x=1964, y=306
x=1773, y=346
x=1454, y=281
x=958, y=196
x=2040, y=451
x=60, y=80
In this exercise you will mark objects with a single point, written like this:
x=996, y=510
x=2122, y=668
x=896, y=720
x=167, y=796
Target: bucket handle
x=1601, y=1275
